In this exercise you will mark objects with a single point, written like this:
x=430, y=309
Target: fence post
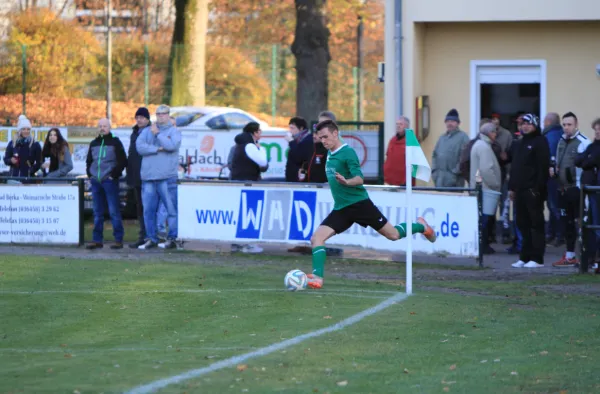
x=355, y=93
x=146, y=76
x=479, y=191
x=81, y=190
x=583, y=231
x=24, y=85
x=274, y=49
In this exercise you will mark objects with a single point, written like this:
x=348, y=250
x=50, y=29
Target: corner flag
x=420, y=166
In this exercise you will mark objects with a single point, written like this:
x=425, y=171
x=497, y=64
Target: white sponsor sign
x=39, y=214
x=10, y=133
x=291, y=215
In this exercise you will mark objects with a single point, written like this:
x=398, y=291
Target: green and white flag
x=420, y=166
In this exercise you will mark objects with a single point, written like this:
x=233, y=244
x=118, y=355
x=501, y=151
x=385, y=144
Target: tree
x=62, y=58
x=311, y=48
x=185, y=82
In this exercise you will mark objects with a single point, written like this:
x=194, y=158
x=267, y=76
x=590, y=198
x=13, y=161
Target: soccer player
x=351, y=202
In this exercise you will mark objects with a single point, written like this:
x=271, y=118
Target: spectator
x=249, y=159
x=315, y=168
x=589, y=162
x=446, y=154
x=23, y=156
x=300, y=150
x=394, y=168
x=56, y=155
x=326, y=115
x=553, y=132
x=134, y=166
x=502, y=145
x=527, y=188
x=105, y=162
x=247, y=163
x=484, y=162
x=571, y=144
x=159, y=147
x=517, y=240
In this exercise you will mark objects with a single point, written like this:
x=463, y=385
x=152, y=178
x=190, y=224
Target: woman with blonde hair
x=23, y=156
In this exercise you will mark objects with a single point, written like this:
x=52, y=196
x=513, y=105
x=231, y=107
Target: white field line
x=230, y=362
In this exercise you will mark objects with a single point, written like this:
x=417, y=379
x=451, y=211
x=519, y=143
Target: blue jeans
x=154, y=192
x=555, y=225
x=106, y=193
x=161, y=218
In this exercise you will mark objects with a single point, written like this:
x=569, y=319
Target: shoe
x=314, y=281
x=487, y=249
x=428, y=233
x=118, y=245
x=513, y=250
x=137, y=244
x=94, y=245
x=533, y=264
x=147, y=245
x=168, y=244
x=252, y=249
x=565, y=262
x=519, y=264
x=162, y=237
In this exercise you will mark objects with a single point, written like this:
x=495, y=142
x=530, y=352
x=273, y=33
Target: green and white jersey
x=345, y=162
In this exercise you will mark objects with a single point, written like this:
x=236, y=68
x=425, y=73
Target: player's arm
x=356, y=177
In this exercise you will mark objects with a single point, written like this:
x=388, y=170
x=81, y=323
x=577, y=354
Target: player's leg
x=335, y=223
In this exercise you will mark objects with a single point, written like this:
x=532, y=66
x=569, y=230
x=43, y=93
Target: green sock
x=318, y=260
x=416, y=228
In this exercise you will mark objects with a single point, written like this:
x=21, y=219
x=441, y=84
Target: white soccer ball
x=295, y=280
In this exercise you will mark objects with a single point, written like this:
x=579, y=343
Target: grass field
x=72, y=325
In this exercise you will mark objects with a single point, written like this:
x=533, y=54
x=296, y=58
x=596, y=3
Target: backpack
x=465, y=159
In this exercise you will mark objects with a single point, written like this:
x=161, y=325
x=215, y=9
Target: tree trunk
x=311, y=48
x=185, y=82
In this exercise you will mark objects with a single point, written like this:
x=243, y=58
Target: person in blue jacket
x=553, y=132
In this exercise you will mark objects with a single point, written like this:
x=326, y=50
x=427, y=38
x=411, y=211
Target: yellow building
x=490, y=56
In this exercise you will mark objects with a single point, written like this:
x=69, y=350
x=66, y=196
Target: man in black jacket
x=300, y=149
x=134, y=165
x=527, y=188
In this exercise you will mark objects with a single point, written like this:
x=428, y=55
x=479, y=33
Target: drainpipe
x=398, y=39
x=390, y=80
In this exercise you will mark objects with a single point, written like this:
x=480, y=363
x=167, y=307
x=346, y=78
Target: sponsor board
x=277, y=214
x=39, y=214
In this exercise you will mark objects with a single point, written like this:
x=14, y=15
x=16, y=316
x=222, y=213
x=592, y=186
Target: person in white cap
x=23, y=156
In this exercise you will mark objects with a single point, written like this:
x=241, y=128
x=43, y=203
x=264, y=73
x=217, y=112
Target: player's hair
x=299, y=122
x=327, y=124
x=570, y=115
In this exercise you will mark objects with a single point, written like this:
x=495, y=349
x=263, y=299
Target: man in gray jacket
x=570, y=146
x=159, y=146
x=446, y=154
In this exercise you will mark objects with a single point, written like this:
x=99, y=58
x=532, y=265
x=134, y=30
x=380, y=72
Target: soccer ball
x=295, y=280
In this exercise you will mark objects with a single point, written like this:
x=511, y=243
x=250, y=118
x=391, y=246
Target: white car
x=216, y=118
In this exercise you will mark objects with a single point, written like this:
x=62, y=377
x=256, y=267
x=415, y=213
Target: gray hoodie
x=159, y=165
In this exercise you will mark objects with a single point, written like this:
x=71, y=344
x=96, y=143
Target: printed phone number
x=39, y=220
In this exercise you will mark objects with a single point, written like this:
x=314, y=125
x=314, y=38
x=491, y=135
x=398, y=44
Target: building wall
x=445, y=50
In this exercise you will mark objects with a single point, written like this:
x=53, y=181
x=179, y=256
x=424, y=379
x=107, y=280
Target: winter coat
x=58, y=168
x=244, y=168
x=446, y=159
x=106, y=158
x=484, y=160
x=394, y=168
x=530, y=164
x=300, y=153
x=30, y=156
x=567, y=151
x=589, y=162
x=159, y=165
x=134, y=159
x=315, y=169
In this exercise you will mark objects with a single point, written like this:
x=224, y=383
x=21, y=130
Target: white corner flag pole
x=409, y=222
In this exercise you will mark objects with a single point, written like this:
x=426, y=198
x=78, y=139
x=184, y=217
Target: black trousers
x=137, y=191
x=568, y=201
x=530, y=221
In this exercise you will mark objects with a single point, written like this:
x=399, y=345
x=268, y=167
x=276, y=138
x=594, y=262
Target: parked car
x=216, y=118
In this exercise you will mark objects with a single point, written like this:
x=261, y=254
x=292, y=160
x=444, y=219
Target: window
x=217, y=123
x=186, y=118
x=236, y=120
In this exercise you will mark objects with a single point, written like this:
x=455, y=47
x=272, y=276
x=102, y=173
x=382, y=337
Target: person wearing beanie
x=527, y=188
x=134, y=166
x=23, y=156
x=445, y=167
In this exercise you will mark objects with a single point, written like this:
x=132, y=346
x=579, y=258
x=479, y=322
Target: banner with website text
x=277, y=214
x=39, y=214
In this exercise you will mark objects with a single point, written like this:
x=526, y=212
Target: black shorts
x=363, y=212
